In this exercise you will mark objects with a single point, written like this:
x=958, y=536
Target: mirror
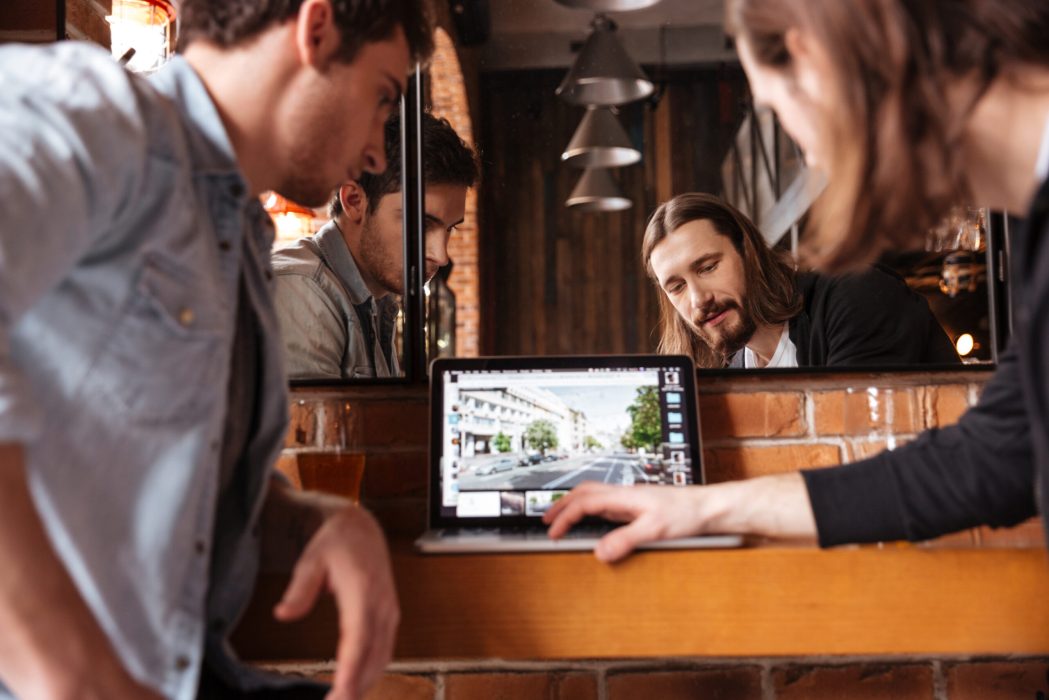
x=524, y=273
x=571, y=279
x=342, y=291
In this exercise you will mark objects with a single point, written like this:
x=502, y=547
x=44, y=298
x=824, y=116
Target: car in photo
x=652, y=465
x=503, y=464
x=530, y=459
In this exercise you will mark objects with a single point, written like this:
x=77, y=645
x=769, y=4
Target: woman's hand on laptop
x=776, y=506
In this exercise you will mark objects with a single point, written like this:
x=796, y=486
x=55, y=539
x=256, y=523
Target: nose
x=437, y=249
x=374, y=155
x=700, y=298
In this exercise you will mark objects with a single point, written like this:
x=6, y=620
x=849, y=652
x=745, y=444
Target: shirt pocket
x=164, y=358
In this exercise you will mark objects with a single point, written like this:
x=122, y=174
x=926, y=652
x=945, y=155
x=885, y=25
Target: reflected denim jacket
x=126, y=228
x=322, y=305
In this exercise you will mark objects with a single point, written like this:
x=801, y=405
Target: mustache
x=712, y=309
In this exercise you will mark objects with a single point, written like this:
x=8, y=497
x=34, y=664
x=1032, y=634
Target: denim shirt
x=126, y=228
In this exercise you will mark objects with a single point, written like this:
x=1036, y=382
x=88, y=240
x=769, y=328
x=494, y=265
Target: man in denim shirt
x=142, y=395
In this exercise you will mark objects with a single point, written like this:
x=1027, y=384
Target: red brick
x=1026, y=534
x=395, y=474
x=944, y=405
x=731, y=463
x=740, y=683
x=394, y=686
x=1005, y=680
x=855, y=450
x=857, y=682
x=302, y=430
x=87, y=19
x=450, y=100
x=394, y=423
x=862, y=412
x=520, y=686
x=760, y=414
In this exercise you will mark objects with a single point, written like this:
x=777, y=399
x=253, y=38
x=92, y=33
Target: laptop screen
x=514, y=435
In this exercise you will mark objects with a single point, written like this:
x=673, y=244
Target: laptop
x=509, y=436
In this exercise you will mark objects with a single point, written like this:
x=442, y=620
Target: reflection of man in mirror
x=729, y=300
x=336, y=290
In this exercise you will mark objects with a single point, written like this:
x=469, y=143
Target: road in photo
x=506, y=473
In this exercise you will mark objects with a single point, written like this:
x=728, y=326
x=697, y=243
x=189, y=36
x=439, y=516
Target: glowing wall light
x=140, y=33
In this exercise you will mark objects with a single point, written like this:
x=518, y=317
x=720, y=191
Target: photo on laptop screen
x=510, y=439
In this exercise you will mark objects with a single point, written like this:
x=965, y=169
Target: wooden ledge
x=762, y=601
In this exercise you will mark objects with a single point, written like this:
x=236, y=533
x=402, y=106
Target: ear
x=317, y=39
x=354, y=202
x=809, y=62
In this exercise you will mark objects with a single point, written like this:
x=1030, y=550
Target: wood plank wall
x=555, y=281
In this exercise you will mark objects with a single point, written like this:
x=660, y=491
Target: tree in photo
x=645, y=429
x=501, y=442
x=541, y=435
x=592, y=443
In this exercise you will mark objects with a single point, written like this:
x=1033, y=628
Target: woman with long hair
x=910, y=107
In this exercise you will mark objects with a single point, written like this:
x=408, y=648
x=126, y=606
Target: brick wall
x=750, y=426
x=449, y=98
x=86, y=20
x=720, y=679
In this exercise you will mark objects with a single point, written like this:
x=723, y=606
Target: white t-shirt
x=786, y=354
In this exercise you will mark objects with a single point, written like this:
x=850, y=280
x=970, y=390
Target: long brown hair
x=771, y=294
x=896, y=164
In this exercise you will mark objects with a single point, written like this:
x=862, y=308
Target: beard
x=384, y=267
x=730, y=335
x=303, y=185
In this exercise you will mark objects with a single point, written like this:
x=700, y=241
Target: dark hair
x=897, y=166
x=772, y=294
x=230, y=22
x=447, y=160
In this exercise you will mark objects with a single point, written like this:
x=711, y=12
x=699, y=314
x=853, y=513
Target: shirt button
x=237, y=190
x=181, y=663
x=224, y=246
x=217, y=625
x=186, y=316
x=200, y=546
x=269, y=275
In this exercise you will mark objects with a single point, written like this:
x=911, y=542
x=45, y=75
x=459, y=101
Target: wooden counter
x=759, y=601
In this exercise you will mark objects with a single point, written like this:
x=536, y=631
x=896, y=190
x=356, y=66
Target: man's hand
x=776, y=506
x=348, y=555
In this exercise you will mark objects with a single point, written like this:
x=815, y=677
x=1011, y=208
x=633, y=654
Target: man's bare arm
x=52, y=646
x=337, y=546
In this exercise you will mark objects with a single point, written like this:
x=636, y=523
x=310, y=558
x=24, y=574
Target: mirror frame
x=413, y=304
x=415, y=366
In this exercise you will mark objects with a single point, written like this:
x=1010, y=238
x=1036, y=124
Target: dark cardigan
x=989, y=469
x=865, y=319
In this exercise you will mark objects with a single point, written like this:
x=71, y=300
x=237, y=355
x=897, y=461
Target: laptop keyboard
x=524, y=532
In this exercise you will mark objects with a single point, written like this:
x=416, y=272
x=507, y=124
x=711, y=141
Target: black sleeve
x=873, y=318
x=978, y=472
